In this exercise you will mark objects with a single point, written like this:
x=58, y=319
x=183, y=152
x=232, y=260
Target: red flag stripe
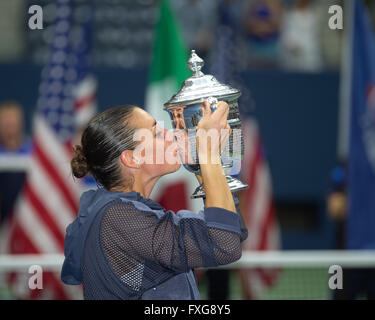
x=53, y=284
x=269, y=219
x=84, y=101
x=249, y=193
x=249, y=175
x=19, y=241
x=55, y=177
x=269, y=276
x=174, y=197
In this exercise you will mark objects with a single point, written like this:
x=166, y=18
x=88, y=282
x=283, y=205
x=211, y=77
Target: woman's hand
x=213, y=130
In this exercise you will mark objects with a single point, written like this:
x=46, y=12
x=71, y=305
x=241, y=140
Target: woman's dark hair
x=105, y=137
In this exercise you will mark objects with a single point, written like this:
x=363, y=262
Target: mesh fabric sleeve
x=133, y=232
x=244, y=231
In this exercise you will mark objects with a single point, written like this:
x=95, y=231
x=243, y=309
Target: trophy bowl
x=185, y=111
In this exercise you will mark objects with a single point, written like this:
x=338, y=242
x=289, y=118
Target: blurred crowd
x=290, y=35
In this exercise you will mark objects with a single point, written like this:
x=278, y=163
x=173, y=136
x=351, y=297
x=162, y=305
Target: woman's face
x=156, y=152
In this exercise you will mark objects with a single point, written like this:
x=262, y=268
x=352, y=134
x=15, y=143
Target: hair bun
x=79, y=163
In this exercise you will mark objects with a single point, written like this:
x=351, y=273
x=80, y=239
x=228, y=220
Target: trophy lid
x=199, y=86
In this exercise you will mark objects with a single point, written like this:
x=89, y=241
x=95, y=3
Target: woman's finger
x=222, y=110
x=227, y=112
x=206, y=108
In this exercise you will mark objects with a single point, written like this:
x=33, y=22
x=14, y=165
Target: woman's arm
x=215, y=185
x=179, y=241
x=244, y=231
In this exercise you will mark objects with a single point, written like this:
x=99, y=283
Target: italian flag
x=168, y=71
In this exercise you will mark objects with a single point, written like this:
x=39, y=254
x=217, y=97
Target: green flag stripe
x=169, y=53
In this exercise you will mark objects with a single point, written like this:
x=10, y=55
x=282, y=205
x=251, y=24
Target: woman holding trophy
x=123, y=245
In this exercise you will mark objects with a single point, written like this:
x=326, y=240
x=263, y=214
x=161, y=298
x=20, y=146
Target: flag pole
x=345, y=83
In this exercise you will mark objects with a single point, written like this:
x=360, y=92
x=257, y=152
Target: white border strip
x=270, y=259
x=14, y=162
x=305, y=259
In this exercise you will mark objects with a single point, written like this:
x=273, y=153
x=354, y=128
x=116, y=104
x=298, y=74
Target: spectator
x=198, y=22
x=12, y=141
x=261, y=26
x=337, y=205
x=12, y=128
x=300, y=38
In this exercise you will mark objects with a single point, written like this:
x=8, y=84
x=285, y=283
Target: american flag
x=257, y=206
x=50, y=197
x=256, y=202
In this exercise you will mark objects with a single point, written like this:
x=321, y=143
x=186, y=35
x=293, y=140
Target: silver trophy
x=185, y=110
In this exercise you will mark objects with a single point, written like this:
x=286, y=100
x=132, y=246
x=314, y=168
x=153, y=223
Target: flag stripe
x=265, y=229
x=18, y=235
x=250, y=192
x=44, y=215
x=57, y=154
x=43, y=133
x=35, y=229
x=85, y=101
x=55, y=176
x=257, y=208
x=56, y=204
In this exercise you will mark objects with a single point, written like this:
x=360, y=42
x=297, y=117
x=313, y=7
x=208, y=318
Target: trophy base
x=234, y=184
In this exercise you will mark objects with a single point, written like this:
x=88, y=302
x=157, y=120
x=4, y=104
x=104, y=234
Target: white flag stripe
x=85, y=114
x=56, y=204
x=86, y=87
x=46, y=138
x=255, y=281
x=85, y=90
x=35, y=229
